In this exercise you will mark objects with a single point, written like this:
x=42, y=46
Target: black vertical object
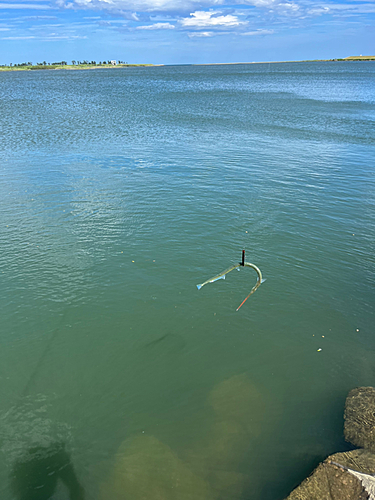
x=243, y=258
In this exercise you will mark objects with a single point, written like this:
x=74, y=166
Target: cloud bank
x=244, y=23
x=202, y=19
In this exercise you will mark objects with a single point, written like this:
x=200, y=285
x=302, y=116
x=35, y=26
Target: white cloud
x=289, y=6
x=200, y=15
x=157, y=26
x=317, y=11
x=162, y=18
x=202, y=19
x=123, y=6
x=272, y=5
x=365, y=8
x=56, y=37
x=260, y=3
x=23, y=6
x=332, y=8
x=258, y=32
x=201, y=34
x=31, y=18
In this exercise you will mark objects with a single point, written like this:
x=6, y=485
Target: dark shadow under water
x=35, y=476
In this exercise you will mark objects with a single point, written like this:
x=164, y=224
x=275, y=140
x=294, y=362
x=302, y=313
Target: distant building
x=113, y=63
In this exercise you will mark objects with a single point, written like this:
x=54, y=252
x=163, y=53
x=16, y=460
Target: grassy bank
x=358, y=58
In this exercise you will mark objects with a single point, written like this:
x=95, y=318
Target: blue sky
x=184, y=31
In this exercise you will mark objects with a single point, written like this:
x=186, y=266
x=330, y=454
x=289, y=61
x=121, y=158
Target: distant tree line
x=21, y=64
x=63, y=63
x=94, y=63
x=44, y=63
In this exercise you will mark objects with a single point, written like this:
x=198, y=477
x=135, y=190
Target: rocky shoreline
x=348, y=475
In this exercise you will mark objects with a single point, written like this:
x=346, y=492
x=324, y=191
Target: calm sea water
x=120, y=190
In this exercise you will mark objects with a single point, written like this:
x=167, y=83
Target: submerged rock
x=330, y=480
x=348, y=475
x=146, y=469
x=359, y=427
x=238, y=412
x=238, y=401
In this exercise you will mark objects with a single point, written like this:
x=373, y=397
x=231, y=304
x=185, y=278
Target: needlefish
x=222, y=275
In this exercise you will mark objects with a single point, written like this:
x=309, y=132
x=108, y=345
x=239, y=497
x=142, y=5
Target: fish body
x=220, y=276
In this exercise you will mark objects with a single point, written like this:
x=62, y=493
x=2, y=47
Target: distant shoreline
x=71, y=67
x=77, y=67
x=345, y=59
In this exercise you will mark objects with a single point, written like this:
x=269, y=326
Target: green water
x=120, y=190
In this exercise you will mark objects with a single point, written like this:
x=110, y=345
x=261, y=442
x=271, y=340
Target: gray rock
x=359, y=427
x=332, y=482
x=349, y=475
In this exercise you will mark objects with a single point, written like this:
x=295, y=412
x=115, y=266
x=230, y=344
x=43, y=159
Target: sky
x=184, y=31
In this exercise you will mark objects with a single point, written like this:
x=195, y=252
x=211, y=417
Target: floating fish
x=222, y=275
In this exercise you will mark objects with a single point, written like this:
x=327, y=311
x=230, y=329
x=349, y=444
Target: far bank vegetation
x=64, y=65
